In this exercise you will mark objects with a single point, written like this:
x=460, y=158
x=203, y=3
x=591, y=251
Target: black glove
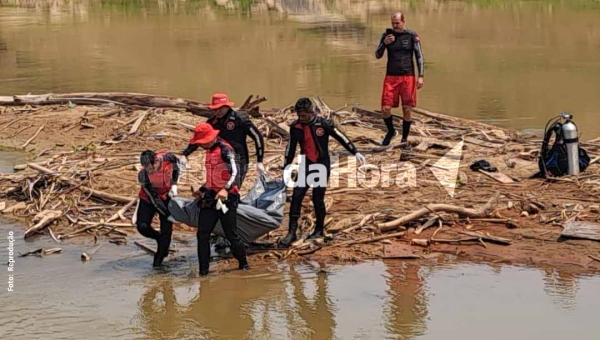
x=162, y=208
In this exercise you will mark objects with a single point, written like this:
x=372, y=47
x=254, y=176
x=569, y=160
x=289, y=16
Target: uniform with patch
x=234, y=127
x=313, y=138
x=154, y=198
x=221, y=173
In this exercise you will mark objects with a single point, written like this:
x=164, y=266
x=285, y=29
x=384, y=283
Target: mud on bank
x=79, y=182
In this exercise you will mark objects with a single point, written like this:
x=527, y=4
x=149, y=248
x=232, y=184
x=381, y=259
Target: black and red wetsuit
x=154, y=198
x=222, y=172
x=313, y=138
x=234, y=127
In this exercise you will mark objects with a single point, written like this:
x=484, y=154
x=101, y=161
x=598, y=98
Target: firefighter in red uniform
x=312, y=133
x=158, y=181
x=220, y=195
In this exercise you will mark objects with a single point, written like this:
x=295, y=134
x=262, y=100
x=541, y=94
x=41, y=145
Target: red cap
x=203, y=133
x=219, y=100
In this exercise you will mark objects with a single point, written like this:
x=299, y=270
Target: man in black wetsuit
x=158, y=184
x=312, y=133
x=233, y=127
x=400, y=83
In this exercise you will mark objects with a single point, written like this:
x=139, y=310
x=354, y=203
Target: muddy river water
x=508, y=62
x=512, y=63
x=117, y=295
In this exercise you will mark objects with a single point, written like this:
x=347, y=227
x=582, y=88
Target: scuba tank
x=571, y=140
x=565, y=156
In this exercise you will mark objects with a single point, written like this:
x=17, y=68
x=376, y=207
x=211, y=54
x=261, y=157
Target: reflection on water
x=58, y=296
x=511, y=63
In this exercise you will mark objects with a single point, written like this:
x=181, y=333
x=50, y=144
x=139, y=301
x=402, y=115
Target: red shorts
x=399, y=87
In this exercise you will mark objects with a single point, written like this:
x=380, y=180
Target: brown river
x=511, y=63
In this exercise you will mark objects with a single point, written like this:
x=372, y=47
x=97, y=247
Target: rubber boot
x=291, y=236
x=320, y=222
x=244, y=266
x=158, y=260
x=317, y=233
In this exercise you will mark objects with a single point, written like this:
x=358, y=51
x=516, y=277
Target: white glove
x=260, y=167
x=173, y=191
x=221, y=206
x=360, y=158
x=183, y=162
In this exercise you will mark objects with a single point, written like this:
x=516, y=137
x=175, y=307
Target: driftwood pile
x=85, y=147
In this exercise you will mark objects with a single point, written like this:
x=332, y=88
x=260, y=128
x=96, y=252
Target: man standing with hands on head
x=233, y=127
x=400, y=83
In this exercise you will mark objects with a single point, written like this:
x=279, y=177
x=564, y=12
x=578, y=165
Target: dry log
x=87, y=257
x=281, y=131
x=488, y=237
x=420, y=242
x=45, y=218
x=53, y=236
x=10, y=123
x=370, y=239
x=187, y=126
x=42, y=251
x=16, y=207
x=581, y=230
x=464, y=122
x=138, y=122
x=427, y=224
x=95, y=193
x=481, y=212
x=88, y=126
x=110, y=113
x=118, y=98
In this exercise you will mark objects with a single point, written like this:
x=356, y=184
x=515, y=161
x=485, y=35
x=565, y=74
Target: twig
x=33, y=137
x=594, y=258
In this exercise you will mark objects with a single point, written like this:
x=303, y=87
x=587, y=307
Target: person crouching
x=220, y=195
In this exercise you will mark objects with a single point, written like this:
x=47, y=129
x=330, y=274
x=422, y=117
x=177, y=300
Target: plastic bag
x=258, y=213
